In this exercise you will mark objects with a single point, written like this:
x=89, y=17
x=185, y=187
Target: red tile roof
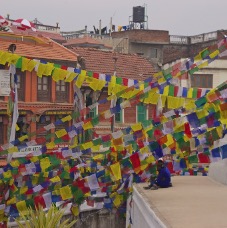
x=127, y=65
x=36, y=47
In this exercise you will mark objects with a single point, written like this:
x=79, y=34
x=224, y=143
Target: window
x=62, y=91
x=154, y=53
x=89, y=101
x=141, y=112
x=20, y=85
x=118, y=115
x=202, y=80
x=43, y=89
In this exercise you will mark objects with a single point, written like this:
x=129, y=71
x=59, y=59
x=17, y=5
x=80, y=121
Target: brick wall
x=154, y=36
x=173, y=52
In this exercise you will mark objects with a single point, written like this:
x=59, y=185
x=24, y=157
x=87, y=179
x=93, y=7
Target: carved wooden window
x=21, y=85
x=44, y=89
x=62, y=91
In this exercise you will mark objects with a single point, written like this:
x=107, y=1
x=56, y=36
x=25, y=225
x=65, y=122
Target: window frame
x=202, y=80
x=144, y=112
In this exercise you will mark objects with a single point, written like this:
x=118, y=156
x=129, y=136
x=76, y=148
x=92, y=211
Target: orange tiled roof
x=127, y=65
x=36, y=47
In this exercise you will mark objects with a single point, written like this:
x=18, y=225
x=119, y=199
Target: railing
x=179, y=39
x=174, y=39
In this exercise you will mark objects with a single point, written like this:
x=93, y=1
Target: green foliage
x=40, y=219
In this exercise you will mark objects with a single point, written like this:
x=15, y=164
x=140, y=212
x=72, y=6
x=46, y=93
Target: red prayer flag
x=187, y=130
x=96, y=75
x=125, y=81
x=39, y=201
x=203, y=158
x=199, y=92
x=135, y=160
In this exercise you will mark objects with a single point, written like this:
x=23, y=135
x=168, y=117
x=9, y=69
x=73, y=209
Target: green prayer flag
x=205, y=53
x=192, y=71
x=90, y=74
x=19, y=63
x=57, y=65
x=95, y=121
x=168, y=76
x=195, y=92
x=193, y=159
x=171, y=90
x=200, y=102
x=97, y=142
x=119, y=81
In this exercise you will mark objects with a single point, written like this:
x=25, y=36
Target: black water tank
x=138, y=14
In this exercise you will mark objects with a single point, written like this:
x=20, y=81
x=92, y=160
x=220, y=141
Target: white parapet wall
x=142, y=215
x=218, y=171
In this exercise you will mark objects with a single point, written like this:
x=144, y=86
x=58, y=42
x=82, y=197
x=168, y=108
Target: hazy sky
x=179, y=17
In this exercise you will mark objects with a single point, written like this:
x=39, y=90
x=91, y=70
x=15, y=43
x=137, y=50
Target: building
x=128, y=66
x=41, y=100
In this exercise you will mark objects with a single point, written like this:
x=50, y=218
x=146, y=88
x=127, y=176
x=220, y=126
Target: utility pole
x=14, y=115
x=114, y=100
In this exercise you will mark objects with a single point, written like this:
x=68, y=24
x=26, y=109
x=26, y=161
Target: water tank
x=138, y=14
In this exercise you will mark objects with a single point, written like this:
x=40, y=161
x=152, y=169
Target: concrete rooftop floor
x=193, y=201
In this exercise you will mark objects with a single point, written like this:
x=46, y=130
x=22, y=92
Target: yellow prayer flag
x=204, y=64
x=116, y=170
x=22, y=138
x=12, y=200
x=50, y=145
x=60, y=133
x=15, y=163
x=41, y=69
x=95, y=148
x=12, y=59
x=31, y=65
x=87, y=145
x=117, y=201
x=70, y=76
x=166, y=90
x=141, y=86
x=137, y=127
x=55, y=179
x=3, y=57
x=75, y=210
x=7, y=174
x=48, y=69
x=154, y=98
x=190, y=93
x=63, y=73
x=66, y=193
x=44, y=163
x=214, y=54
x=25, y=62
x=66, y=118
x=13, y=149
x=80, y=79
x=23, y=190
x=87, y=125
x=56, y=74
x=22, y=207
